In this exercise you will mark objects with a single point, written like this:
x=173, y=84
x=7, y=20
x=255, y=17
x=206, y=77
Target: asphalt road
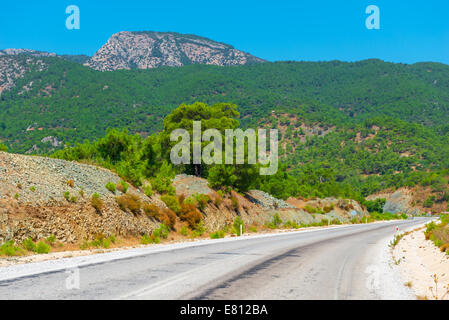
x=347, y=262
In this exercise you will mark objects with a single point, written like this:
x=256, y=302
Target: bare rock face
x=146, y=50
x=28, y=52
x=401, y=202
x=13, y=67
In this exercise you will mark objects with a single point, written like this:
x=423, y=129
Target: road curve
x=345, y=262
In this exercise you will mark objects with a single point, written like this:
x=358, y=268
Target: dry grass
x=129, y=202
x=166, y=216
x=96, y=202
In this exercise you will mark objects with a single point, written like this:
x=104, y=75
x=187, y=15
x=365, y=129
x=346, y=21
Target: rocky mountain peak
x=146, y=50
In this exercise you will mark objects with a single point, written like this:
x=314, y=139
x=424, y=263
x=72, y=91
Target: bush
x=148, y=191
x=129, y=202
x=10, y=249
x=122, y=186
x=172, y=202
x=42, y=248
x=311, y=210
x=217, y=234
x=111, y=187
x=28, y=244
x=291, y=225
x=100, y=241
x=277, y=221
x=168, y=218
x=428, y=203
x=51, y=240
x=198, y=230
x=149, y=239
x=192, y=218
x=71, y=183
x=66, y=195
x=152, y=211
x=236, y=226
x=235, y=202
x=202, y=200
x=162, y=232
x=96, y=202
x=184, y=231
x=218, y=199
x=33, y=189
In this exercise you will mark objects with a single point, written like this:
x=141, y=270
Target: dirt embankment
x=40, y=197
x=258, y=207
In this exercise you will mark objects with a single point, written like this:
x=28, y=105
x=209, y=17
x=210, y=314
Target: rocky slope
x=412, y=201
x=40, y=197
x=14, y=66
x=33, y=204
x=145, y=50
x=257, y=207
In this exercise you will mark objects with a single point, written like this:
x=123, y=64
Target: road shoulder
x=418, y=261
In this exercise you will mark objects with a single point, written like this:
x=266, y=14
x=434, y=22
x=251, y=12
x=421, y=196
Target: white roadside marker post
x=241, y=229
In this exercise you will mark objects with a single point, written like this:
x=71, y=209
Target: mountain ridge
x=150, y=49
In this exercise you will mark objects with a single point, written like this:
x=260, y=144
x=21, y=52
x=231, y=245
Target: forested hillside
x=347, y=128
x=73, y=102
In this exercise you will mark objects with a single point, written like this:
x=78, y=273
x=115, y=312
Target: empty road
x=343, y=262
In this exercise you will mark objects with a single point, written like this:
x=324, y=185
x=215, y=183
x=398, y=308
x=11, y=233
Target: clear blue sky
x=312, y=30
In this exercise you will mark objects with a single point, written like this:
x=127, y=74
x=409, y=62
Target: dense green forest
x=73, y=102
x=379, y=124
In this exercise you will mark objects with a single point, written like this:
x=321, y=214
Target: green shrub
x=217, y=234
x=184, y=231
x=96, y=202
x=277, y=220
x=122, y=186
x=236, y=226
x=42, y=248
x=172, y=202
x=111, y=187
x=148, y=191
x=33, y=189
x=201, y=200
x=198, y=230
x=51, y=240
x=396, y=240
x=28, y=244
x=149, y=239
x=311, y=210
x=66, y=195
x=10, y=249
x=162, y=232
